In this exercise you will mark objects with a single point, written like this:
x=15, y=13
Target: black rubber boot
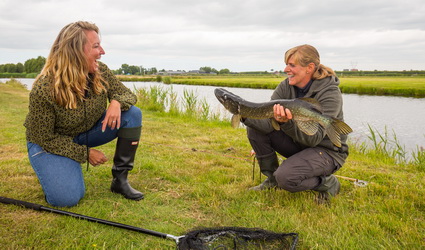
x=127, y=143
x=329, y=187
x=268, y=165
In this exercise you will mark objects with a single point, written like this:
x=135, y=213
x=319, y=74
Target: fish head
x=228, y=100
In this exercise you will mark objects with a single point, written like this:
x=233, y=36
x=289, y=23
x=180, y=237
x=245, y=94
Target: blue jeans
x=62, y=178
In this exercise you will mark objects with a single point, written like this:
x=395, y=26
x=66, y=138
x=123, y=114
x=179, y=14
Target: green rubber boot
x=268, y=165
x=328, y=188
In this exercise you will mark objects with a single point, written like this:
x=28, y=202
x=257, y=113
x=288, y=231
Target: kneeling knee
x=136, y=113
x=64, y=200
x=286, y=183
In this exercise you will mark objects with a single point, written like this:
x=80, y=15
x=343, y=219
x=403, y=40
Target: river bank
x=195, y=173
x=366, y=85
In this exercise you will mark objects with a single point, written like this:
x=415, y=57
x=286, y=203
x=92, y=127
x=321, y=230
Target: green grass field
x=195, y=173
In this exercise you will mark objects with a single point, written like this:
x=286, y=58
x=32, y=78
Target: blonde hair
x=67, y=65
x=306, y=54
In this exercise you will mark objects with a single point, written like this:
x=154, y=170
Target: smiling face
x=93, y=50
x=298, y=75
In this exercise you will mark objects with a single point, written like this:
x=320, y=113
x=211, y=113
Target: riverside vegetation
x=408, y=86
x=195, y=171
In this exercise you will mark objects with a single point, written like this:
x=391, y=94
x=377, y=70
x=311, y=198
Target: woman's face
x=93, y=50
x=298, y=75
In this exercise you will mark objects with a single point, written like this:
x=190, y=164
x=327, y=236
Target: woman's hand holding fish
x=281, y=114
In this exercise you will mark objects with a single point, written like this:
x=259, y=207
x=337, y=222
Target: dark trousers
x=303, y=165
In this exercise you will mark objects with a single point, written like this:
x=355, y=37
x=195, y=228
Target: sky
x=239, y=35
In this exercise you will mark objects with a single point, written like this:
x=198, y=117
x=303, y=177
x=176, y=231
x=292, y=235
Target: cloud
x=234, y=34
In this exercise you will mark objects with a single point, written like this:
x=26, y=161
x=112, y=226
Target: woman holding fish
x=311, y=158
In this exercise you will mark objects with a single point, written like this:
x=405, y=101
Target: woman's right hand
x=96, y=157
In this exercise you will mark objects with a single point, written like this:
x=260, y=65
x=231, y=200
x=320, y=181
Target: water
x=402, y=118
x=399, y=116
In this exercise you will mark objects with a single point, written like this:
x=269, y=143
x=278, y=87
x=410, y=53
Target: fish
x=307, y=113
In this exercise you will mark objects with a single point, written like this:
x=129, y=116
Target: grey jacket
x=327, y=92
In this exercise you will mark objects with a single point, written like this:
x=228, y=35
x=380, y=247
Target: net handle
x=39, y=207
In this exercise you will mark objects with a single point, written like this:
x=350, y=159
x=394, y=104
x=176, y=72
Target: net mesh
x=237, y=238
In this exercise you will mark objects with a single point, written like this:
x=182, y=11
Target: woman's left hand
x=281, y=114
x=113, y=116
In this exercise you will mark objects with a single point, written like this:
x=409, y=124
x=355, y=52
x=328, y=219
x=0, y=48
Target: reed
x=157, y=98
x=382, y=143
x=389, y=147
x=190, y=102
x=15, y=83
x=418, y=157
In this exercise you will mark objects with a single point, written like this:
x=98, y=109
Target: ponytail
x=322, y=71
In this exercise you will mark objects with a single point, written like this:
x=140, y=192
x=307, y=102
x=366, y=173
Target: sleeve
x=331, y=102
x=117, y=90
x=40, y=124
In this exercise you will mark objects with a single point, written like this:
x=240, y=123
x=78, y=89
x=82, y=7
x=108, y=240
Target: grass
x=393, y=86
x=365, y=85
x=195, y=173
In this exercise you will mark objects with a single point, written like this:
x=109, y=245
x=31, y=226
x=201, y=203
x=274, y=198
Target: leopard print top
x=54, y=127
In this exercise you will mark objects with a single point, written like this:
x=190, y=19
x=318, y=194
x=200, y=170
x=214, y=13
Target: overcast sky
x=240, y=35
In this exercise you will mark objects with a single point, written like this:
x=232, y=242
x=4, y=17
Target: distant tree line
x=34, y=65
x=134, y=70
x=126, y=69
x=209, y=70
x=381, y=73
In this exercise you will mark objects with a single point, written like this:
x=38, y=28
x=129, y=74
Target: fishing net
x=237, y=238
x=220, y=238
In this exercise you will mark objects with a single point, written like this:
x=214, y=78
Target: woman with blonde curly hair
x=69, y=116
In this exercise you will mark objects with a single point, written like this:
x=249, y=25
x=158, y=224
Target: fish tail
x=337, y=128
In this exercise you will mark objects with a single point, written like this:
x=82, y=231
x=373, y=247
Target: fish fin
x=314, y=103
x=308, y=127
x=275, y=124
x=341, y=127
x=333, y=135
x=236, y=119
x=337, y=128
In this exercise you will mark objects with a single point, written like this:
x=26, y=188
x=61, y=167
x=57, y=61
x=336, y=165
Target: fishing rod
x=357, y=182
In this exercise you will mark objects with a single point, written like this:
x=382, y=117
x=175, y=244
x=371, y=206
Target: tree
x=152, y=71
x=224, y=71
x=206, y=69
x=134, y=70
x=9, y=68
x=125, y=69
x=34, y=65
x=20, y=68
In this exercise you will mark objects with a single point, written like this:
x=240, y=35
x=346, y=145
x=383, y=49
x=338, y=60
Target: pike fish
x=306, y=113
